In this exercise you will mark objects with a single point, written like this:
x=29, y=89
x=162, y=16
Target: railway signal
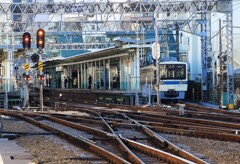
x=35, y=57
x=26, y=77
x=40, y=38
x=156, y=50
x=41, y=77
x=26, y=40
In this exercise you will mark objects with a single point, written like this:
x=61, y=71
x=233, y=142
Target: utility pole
x=26, y=45
x=157, y=63
x=157, y=56
x=177, y=42
x=137, y=67
x=221, y=64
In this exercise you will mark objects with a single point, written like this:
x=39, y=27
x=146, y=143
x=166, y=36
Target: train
x=173, y=76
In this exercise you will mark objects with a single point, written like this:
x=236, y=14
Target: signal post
x=40, y=45
x=26, y=78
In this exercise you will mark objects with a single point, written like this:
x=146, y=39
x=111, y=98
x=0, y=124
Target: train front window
x=172, y=71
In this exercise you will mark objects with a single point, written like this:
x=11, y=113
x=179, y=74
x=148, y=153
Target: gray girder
x=96, y=8
x=229, y=53
x=225, y=6
x=102, y=26
x=82, y=46
x=97, y=13
x=204, y=53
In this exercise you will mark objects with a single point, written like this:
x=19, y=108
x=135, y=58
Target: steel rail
x=131, y=156
x=170, y=158
x=73, y=139
x=202, y=134
x=178, y=127
x=190, y=120
x=168, y=144
x=204, y=108
x=70, y=124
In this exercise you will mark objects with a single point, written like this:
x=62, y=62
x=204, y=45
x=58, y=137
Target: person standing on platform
x=69, y=82
x=118, y=82
x=75, y=82
x=115, y=81
x=65, y=82
x=89, y=81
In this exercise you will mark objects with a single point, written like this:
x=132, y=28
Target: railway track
x=127, y=135
x=168, y=121
x=109, y=146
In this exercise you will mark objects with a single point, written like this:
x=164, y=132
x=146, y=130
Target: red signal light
x=26, y=40
x=41, y=77
x=27, y=78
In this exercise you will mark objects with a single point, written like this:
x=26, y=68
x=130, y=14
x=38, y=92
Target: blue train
x=173, y=78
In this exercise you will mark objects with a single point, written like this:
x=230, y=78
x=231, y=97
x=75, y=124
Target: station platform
x=11, y=153
x=209, y=104
x=123, y=97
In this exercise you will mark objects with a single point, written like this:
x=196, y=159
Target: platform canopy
x=106, y=53
x=237, y=71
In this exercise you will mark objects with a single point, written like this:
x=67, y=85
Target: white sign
x=156, y=50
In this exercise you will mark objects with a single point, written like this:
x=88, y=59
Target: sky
x=236, y=20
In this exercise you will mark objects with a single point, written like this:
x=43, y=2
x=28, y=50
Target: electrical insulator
x=224, y=58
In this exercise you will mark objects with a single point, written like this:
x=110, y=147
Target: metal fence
x=10, y=84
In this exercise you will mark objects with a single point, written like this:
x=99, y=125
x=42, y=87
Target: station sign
x=156, y=50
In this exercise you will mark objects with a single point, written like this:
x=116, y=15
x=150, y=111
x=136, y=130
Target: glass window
x=172, y=71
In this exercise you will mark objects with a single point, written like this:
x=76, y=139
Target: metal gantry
x=103, y=15
x=100, y=17
x=226, y=8
x=229, y=53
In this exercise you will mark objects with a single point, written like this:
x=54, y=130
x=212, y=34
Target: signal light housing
x=41, y=77
x=27, y=77
x=26, y=40
x=40, y=38
x=35, y=57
